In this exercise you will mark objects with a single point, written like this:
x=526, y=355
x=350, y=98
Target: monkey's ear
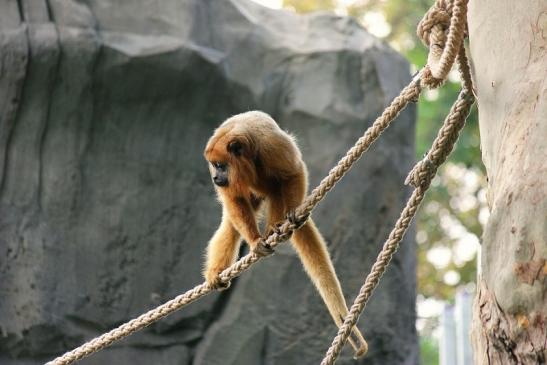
x=235, y=147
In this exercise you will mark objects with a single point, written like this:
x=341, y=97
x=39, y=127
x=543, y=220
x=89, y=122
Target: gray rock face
x=106, y=205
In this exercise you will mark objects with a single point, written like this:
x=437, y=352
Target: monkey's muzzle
x=220, y=181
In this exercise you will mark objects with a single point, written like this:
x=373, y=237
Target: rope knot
x=442, y=29
x=432, y=30
x=421, y=174
x=434, y=23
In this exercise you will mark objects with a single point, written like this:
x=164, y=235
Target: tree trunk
x=508, y=41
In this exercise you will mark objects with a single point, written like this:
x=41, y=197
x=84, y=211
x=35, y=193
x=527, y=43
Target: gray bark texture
x=106, y=204
x=509, y=54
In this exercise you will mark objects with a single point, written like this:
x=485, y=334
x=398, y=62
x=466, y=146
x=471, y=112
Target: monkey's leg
x=314, y=255
x=221, y=251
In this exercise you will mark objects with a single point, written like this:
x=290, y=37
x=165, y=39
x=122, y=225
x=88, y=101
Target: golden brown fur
x=252, y=159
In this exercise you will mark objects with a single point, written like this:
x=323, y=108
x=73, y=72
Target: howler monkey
x=252, y=161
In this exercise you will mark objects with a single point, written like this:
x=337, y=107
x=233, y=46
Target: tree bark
x=508, y=43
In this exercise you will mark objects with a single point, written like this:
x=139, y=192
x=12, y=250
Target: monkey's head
x=231, y=158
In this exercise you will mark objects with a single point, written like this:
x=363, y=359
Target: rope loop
x=442, y=29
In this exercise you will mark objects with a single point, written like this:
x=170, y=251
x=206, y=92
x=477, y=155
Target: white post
x=462, y=317
x=447, y=345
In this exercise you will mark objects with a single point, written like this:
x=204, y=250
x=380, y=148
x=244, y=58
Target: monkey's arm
x=242, y=216
x=222, y=249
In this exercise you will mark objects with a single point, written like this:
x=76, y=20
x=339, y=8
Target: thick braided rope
x=409, y=94
x=420, y=177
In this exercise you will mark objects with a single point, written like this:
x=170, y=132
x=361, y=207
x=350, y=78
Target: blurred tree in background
x=451, y=217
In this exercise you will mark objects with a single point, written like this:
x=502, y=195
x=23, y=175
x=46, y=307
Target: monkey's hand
x=276, y=228
x=297, y=222
x=273, y=229
x=261, y=249
x=293, y=220
x=213, y=279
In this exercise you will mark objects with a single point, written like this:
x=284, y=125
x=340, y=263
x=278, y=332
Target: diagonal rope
x=409, y=94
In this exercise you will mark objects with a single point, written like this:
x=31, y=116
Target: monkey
x=253, y=161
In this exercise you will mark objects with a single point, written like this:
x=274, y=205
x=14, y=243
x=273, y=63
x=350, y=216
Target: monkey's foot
x=276, y=228
x=218, y=284
x=214, y=280
x=262, y=249
x=291, y=217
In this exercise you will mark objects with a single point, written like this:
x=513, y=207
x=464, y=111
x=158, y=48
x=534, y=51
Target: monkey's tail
x=313, y=253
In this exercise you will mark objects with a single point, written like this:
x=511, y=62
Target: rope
x=423, y=172
x=465, y=71
x=282, y=232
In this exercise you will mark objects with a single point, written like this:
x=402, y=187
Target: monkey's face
x=221, y=161
x=219, y=173
x=230, y=161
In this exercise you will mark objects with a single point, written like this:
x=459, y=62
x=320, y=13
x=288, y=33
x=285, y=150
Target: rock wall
x=105, y=200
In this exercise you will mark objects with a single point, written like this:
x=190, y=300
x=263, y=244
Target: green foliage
x=448, y=220
x=306, y=6
x=429, y=351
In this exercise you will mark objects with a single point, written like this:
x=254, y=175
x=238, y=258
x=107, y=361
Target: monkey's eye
x=219, y=165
